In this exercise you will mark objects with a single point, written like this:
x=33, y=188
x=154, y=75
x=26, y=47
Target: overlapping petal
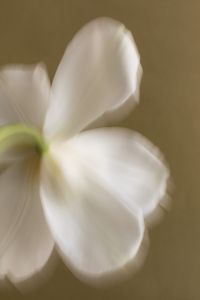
x=25, y=241
x=96, y=233
x=125, y=163
x=96, y=189
x=98, y=72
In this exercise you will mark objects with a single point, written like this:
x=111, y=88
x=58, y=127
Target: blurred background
x=167, y=36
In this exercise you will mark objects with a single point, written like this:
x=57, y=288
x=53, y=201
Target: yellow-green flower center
x=20, y=135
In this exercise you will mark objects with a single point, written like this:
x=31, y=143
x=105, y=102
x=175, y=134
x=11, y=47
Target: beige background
x=168, y=39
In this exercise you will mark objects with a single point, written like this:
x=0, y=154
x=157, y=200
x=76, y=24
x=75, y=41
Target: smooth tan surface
x=168, y=39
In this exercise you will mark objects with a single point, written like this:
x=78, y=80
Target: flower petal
x=25, y=241
x=125, y=163
x=96, y=234
x=24, y=94
x=98, y=72
x=119, y=113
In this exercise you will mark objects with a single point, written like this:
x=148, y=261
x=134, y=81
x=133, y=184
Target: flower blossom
x=62, y=182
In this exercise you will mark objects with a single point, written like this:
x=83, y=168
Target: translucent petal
x=95, y=231
x=98, y=73
x=124, y=162
x=25, y=241
x=24, y=94
x=119, y=113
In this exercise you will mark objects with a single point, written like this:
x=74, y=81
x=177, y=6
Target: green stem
x=21, y=134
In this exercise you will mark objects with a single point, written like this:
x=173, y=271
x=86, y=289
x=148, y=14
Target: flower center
x=20, y=135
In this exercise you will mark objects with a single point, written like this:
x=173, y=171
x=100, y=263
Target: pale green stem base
x=21, y=135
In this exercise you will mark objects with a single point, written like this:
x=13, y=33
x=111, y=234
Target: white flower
x=88, y=191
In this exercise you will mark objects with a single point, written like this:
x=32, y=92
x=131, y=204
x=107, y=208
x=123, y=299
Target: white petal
x=119, y=113
x=25, y=241
x=24, y=94
x=99, y=72
x=125, y=163
x=96, y=233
